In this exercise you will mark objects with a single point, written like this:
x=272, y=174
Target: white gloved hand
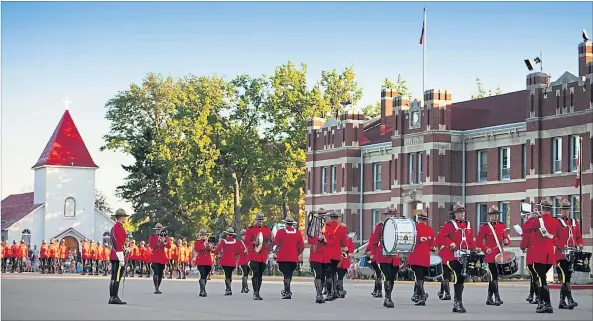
x=120, y=257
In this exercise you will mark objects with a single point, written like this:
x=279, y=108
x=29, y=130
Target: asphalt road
x=42, y=297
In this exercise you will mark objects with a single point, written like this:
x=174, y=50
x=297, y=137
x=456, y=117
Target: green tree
x=482, y=92
x=101, y=203
x=401, y=86
x=339, y=88
x=372, y=110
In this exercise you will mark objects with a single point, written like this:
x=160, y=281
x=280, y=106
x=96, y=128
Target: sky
x=90, y=51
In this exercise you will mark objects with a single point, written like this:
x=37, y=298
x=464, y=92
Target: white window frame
x=481, y=211
x=574, y=152
x=67, y=212
x=573, y=207
x=377, y=171
x=505, y=216
x=334, y=179
x=504, y=171
x=482, y=172
x=557, y=206
x=376, y=216
x=324, y=180
x=26, y=236
x=557, y=155
x=411, y=168
x=419, y=170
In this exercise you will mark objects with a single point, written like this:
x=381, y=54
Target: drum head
x=504, y=257
x=389, y=236
x=435, y=260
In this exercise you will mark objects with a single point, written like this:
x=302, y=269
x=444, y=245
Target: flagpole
x=424, y=57
x=581, y=183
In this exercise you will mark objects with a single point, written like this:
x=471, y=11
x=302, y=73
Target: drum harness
x=463, y=240
x=495, y=238
x=570, y=236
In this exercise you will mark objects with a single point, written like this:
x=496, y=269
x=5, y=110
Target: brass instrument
x=528, y=209
x=315, y=223
x=259, y=242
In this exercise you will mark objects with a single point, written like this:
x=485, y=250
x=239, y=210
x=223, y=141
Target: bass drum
x=399, y=235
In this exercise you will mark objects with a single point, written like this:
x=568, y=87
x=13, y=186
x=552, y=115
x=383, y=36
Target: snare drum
x=473, y=264
x=506, y=263
x=399, y=235
x=581, y=261
x=436, y=267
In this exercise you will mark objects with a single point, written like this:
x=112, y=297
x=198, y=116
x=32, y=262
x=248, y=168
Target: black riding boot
x=571, y=303
x=155, y=281
x=420, y=291
x=378, y=285
x=489, y=300
x=531, y=292
x=227, y=283
x=546, y=305
x=388, y=303
x=319, y=290
x=497, y=300
x=447, y=291
x=415, y=297
x=287, y=294
x=114, y=289
x=535, y=299
x=374, y=290
x=256, y=282
x=330, y=289
x=244, y=286
x=458, y=304
x=203, y=293
x=341, y=291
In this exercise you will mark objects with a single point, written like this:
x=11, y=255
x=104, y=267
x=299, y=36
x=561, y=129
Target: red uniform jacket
x=6, y=251
x=249, y=240
x=106, y=254
x=118, y=238
x=230, y=248
x=345, y=263
x=182, y=253
x=317, y=251
x=63, y=251
x=85, y=250
x=485, y=240
x=335, y=239
x=100, y=253
x=449, y=234
x=24, y=251
x=142, y=253
x=376, y=247
x=148, y=254
x=203, y=254
x=158, y=249
x=15, y=250
x=174, y=253
x=134, y=253
x=53, y=251
x=544, y=246
x=93, y=252
x=372, y=250
x=420, y=256
x=290, y=244
x=243, y=254
x=564, y=239
x=43, y=251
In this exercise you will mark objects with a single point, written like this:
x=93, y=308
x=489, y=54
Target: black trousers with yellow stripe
x=563, y=270
x=117, y=272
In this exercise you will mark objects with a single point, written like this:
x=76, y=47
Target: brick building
x=496, y=150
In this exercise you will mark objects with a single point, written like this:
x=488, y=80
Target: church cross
x=67, y=102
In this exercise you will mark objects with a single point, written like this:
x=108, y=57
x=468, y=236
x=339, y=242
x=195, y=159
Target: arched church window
x=70, y=207
x=106, y=238
x=26, y=236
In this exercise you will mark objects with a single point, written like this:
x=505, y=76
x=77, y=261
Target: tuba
x=315, y=222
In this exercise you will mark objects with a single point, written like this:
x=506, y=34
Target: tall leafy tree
x=339, y=87
x=482, y=92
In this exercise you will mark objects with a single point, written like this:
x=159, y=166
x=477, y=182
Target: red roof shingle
x=15, y=207
x=66, y=147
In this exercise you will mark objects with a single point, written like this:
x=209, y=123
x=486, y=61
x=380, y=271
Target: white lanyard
x=463, y=237
x=495, y=237
x=543, y=230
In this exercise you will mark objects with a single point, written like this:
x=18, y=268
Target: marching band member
x=419, y=259
x=118, y=238
x=43, y=251
x=142, y=258
x=227, y=250
x=456, y=234
x=344, y=264
x=133, y=258
x=92, y=256
x=85, y=248
x=181, y=253
x=187, y=261
x=492, y=236
x=335, y=239
x=63, y=250
x=203, y=260
x=546, y=228
x=158, y=243
x=257, y=261
x=106, y=258
x=319, y=260
x=6, y=255
x=388, y=264
x=569, y=238
x=528, y=248
x=243, y=264
x=23, y=254
x=173, y=257
x=290, y=245
x=14, y=250
x=53, y=256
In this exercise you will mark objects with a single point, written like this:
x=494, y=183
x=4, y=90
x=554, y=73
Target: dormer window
x=70, y=207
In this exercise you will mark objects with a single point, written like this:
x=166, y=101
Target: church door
x=71, y=243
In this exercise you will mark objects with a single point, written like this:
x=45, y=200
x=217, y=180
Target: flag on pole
x=577, y=181
x=422, y=34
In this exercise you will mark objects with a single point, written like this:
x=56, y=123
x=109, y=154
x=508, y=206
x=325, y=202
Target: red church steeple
x=66, y=147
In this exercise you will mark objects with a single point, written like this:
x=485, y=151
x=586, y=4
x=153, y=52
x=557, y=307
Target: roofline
x=31, y=212
x=87, y=167
x=106, y=216
x=489, y=129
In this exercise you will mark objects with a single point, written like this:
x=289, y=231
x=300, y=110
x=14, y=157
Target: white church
x=62, y=204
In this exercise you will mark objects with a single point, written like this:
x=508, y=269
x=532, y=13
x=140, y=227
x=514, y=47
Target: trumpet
x=528, y=209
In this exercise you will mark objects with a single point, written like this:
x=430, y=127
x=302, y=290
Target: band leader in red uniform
x=528, y=248
x=570, y=238
x=388, y=264
x=118, y=238
x=419, y=259
x=243, y=264
x=456, y=234
x=202, y=252
x=290, y=245
x=159, y=243
x=228, y=249
x=257, y=260
x=492, y=236
x=345, y=262
x=319, y=260
x=546, y=228
x=335, y=239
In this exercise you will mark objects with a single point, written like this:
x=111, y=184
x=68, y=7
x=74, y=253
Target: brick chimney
x=585, y=56
x=387, y=95
x=538, y=79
